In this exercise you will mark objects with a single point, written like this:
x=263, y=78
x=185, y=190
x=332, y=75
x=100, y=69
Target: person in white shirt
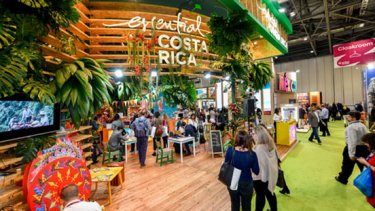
x=324, y=116
x=354, y=148
x=71, y=201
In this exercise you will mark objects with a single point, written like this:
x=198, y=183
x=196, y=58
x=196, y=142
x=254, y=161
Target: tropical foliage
x=83, y=86
x=229, y=39
x=22, y=22
x=30, y=147
x=178, y=90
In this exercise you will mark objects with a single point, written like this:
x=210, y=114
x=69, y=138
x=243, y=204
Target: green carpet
x=310, y=170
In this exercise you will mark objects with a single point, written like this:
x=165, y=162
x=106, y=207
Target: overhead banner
x=354, y=53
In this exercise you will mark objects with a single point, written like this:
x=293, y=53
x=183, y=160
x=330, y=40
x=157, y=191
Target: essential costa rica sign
x=354, y=53
x=178, y=49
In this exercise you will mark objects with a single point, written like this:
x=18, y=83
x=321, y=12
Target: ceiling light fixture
x=282, y=10
x=154, y=73
x=311, y=51
x=292, y=14
x=305, y=38
x=298, y=70
x=119, y=73
x=361, y=25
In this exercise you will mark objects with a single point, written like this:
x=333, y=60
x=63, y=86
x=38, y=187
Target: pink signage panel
x=354, y=53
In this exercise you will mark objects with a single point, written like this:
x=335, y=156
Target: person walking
x=265, y=181
x=369, y=140
x=242, y=157
x=354, y=147
x=314, y=122
x=324, y=116
x=142, y=127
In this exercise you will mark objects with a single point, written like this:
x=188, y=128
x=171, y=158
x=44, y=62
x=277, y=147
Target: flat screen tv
x=25, y=118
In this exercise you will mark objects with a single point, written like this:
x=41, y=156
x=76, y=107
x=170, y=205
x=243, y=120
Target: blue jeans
x=142, y=144
x=315, y=133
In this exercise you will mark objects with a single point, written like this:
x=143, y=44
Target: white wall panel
x=347, y=85
x=339, y=91
x=328, y=95
x=318, y=74
x=313, y=75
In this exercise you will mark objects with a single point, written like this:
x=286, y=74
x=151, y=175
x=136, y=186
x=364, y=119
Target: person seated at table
x=187, y=130
x=117, y=122
x=71, y=201
x=116, y=141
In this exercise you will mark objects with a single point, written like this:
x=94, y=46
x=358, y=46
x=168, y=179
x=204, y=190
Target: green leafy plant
x=30, y=147
x=178, y=90
x=260, y=74
x=83, y=86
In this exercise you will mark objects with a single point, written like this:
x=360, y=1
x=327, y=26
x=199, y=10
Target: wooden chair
x=163, y=155
x=110, y=154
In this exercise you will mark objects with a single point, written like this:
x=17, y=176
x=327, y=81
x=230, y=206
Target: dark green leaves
x=34, y=3
x=83, y=87
x=7, y=32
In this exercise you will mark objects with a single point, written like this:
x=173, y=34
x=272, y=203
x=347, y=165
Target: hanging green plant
x=178, y=90
x=260, y=74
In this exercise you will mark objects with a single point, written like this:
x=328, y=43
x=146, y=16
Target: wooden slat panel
x=5, y=162
x=82, y=26
x=78, y=32
x=4, y=148
x=141, y=8
x=53, y=52
x=121, y=18
x=126, y=31
x=82, y=8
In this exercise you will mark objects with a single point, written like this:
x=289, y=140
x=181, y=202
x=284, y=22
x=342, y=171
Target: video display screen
x=18, y=115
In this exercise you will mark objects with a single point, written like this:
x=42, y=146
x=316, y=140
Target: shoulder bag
x=229, y=175
x=364, y=182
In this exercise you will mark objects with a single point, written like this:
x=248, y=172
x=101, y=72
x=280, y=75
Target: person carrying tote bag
x=369, y=140
x=245, y=160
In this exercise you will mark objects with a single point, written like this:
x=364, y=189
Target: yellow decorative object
x=286, y=132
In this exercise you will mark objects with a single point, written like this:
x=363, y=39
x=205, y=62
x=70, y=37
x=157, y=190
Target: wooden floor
x=191, y=185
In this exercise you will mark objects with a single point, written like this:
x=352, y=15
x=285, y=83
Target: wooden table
x=181, y=141
x=106, y=174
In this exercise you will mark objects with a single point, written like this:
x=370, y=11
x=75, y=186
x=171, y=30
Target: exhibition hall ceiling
x=320, y=24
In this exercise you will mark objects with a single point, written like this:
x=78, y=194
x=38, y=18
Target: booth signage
x=354, y=53
x=273, y=26
x=183, y=47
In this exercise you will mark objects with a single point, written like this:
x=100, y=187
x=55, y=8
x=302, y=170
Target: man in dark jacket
x=190, y=130
x=314, y=122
